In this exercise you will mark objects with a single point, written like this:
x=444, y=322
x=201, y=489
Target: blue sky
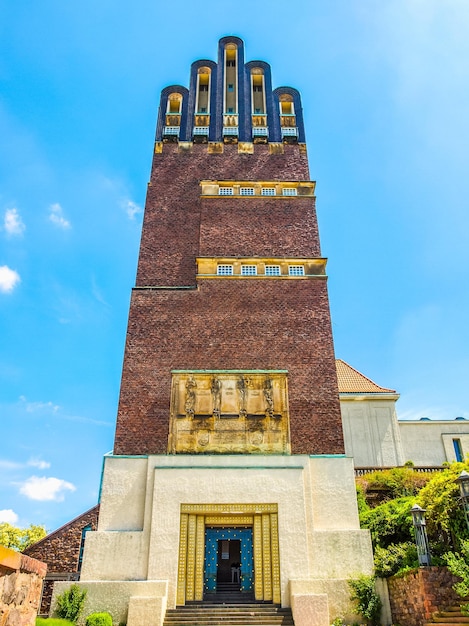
x=385, y=88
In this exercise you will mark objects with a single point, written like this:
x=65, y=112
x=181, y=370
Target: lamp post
x=421, y=539
x=463, y=482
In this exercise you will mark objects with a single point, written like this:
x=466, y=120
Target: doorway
x=229, y=561
x=225, y=547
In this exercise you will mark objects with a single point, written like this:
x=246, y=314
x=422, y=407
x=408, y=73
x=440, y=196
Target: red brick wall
x=264, y=227
x=227, y=323
x=416, y=596
x=170, y=235
x=231, y=324
x=60, y=549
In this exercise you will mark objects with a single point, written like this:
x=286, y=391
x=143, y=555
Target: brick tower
x=230, y=276
x=229, y=450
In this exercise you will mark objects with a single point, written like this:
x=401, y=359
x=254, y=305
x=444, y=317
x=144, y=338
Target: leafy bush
x=99, y=619
x=367, y=601
x=70, y=603
x=397, y=482
x=395, y=558
x=445, y=517
x=458, y=564
x=390, y=522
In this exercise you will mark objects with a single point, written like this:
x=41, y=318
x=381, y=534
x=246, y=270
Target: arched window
x=231, y=80
x=174, y=104
x=286, y=105
x=257, y=91
x=203, y=91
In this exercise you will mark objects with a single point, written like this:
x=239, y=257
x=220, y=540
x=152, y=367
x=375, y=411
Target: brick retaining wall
x=417, y=595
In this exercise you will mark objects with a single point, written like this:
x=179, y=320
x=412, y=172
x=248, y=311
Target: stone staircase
x=242, y=612
x=451, y=616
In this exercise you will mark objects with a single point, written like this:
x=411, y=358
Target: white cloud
x=8, y=516
x=56, y=216
x=13, y=223
x=46, y=489
x=131, y=208
x=38, y=463
x=8, y=279
x=39, y=407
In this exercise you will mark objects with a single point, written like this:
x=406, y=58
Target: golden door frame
x=264, y=521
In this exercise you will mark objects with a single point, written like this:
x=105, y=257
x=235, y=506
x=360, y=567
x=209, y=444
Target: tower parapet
x=230, y=101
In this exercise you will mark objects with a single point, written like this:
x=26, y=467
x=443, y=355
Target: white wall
x=371, y=432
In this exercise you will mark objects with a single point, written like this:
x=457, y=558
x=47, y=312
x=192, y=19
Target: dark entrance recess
x=229, y=552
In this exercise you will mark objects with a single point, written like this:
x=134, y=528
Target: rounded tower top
x=230, y=101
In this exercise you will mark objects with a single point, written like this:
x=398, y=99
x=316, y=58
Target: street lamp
x=463, y=482
x=421, y=539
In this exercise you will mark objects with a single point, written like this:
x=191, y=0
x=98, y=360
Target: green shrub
x=390, y=522
x=70, y=603
x=394, y=558
x=397, y=482
x=444, y=514
x=99, y=619
x=458, y=564
x=367, y=601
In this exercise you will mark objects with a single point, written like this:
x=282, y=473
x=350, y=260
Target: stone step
x=229, y=615
x=447, y=623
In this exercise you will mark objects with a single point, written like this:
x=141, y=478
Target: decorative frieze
x=229, y=412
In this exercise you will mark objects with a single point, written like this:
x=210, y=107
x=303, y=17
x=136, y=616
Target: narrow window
x=246, y=191
x=248, y=270
x=272, y=270
x=224, y=270
x=296, y=270
x=258, y=91
x=458, y=450
x=174, y=104
x=85, y=529
x=231, y=79
x=203, y=89
x=289, y=191
x=286, y=105
x=225, y=191
x=268, y=191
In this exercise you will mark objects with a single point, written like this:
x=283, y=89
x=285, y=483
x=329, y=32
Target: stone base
x=135, y=603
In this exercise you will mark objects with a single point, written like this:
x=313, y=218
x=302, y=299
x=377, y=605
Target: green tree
x=20, y=538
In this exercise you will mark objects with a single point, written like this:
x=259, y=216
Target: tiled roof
x=351, y=381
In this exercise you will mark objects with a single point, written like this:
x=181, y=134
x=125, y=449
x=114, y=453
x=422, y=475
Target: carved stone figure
x=216, y=395
x=268, y=397
x=242, y=387
x=189, y=404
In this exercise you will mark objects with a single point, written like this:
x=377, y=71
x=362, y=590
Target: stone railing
x=361, y=471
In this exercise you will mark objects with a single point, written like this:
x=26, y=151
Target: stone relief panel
x=229, y=412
